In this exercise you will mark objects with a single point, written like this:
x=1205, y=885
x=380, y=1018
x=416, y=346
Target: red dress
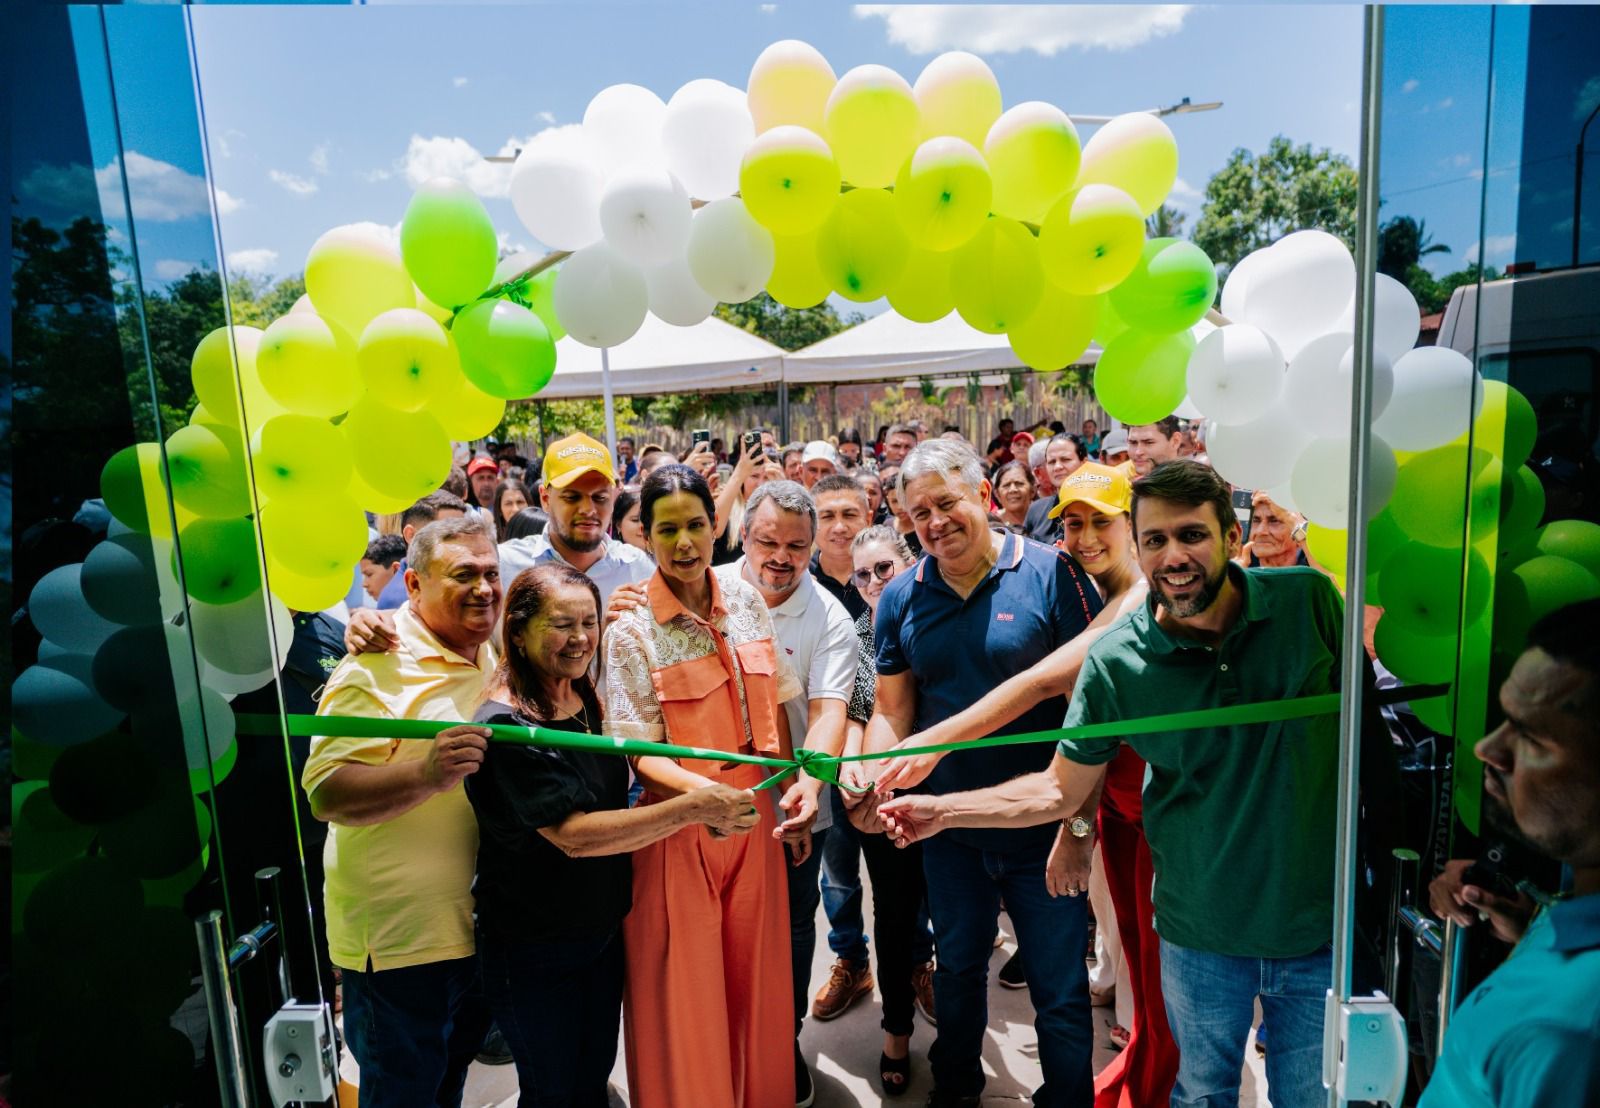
x=1142, y=1075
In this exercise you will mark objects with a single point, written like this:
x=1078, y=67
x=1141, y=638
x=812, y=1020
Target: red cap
x=482, y=465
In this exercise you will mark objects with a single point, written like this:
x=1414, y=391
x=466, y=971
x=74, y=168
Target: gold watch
x=1079, y=827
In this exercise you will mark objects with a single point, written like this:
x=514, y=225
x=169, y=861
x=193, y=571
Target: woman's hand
x=725, y=810
x=702, y=460
x=624, y=598
x=1067, y=871
x=800, y=801
x=369, y=631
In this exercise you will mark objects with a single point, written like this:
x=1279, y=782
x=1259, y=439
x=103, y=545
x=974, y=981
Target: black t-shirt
x=1039, y=526
x=846, y=594
x=526, y=887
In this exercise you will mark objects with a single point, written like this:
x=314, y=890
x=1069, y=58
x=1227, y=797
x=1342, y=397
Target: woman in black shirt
x=554, y=879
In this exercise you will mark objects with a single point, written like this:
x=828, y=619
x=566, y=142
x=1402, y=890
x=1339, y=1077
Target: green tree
x=1433, y=293
x=1165, y=223
x=1255, y=200
x=1402, y=243
x=789, y=328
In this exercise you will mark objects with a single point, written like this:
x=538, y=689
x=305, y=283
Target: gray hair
x=900, y=429
x=789, y=496
x=944, y=457
x=882, y=532
x=1036, y=453
x=424, y=549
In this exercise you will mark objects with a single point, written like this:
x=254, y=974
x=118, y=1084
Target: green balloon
x=219, y=559
x=861, y=247
x=1423, y=585
x=1142, y=377
x=1532, y=590
x=207, y=472
x=1576, y=540
x=405, y=455
x=1439, y=714
x=1419, y=659
x=1430, y=495
x=922, y=291
x=1506, y=408
x=997, y=276
x=1522, y=506
x=541, y=291
x=1171, y=288
x=448, y=243
x=505, y=349
x=297, y=457
x=316, y=538
x=1111, y=324
x=122, y=484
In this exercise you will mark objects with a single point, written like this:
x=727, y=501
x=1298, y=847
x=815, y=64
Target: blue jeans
x=559, y=1004
x=965, y=886
x=804, y=896
x=841, y=895
x=1210, y=1004
x=414, y=1031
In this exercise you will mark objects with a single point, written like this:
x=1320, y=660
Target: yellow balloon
x=399, y=454
x=922, y=293
x=434, y=312
x=299, y=457
x=789, y=180
x=315, y=538
x=468, y=413
x=374, y=501
x=301, y=593
x=997, y=277
x=353, y=275
x=789, y=84
x=861, y=249
x=214, y=369
x=407, y=360
x=1135, y=152
x=942, y=193
x=957, y=94
x=1058, y=331
x=308, y=365
x=872, y=124
x=1033, y=154
x=1092, y=239
x=797, y=280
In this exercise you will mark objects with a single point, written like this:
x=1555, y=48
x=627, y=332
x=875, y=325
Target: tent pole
x=611, y=406
x=783, y=411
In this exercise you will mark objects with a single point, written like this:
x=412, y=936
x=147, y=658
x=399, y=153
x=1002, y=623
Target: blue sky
x=322, y=115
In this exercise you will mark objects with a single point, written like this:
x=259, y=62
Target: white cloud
x=458, y=82
x=769, y=8
x=260, y=260
x=222, y=143
x=1411, y=85
x=170, y=269
x=453, y=156
x=319, y=158
x=1588, y=97
x=547, y=117
x=374, y=175
x=300, y=186
x=1011, y=28
x=68, y=187
x=1447, y=103
x=162, y=193
x=1498, y=248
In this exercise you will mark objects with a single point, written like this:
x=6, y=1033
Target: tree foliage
x=789, y=328
x=1402, y=243
x=1433, y=293
x=1255, y=200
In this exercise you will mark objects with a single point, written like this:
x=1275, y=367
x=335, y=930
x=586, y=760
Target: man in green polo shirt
x=1240, y=819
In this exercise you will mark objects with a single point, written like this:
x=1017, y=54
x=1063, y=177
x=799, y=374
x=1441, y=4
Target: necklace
x=582, y=716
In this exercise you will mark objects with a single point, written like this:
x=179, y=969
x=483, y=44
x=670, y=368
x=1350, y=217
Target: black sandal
x=894, y=1074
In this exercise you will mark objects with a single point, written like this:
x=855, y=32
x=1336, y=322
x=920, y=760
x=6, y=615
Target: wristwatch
x=1079, y=827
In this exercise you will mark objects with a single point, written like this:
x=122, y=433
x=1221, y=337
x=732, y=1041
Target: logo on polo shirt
x=1004, y=617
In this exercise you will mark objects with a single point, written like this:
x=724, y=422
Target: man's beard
x=1207, y=596
x=582, y=546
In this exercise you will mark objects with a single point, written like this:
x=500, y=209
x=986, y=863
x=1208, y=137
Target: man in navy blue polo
x=980, y=607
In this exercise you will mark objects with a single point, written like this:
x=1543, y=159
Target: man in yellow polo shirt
x=403, y=841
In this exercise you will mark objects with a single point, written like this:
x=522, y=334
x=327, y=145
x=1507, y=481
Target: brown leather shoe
x=922, y=987
x=847, y=982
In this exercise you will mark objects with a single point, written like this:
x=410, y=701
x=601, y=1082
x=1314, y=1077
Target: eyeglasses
x=883, y=571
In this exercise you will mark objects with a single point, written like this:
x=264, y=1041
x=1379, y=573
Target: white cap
x=820, y=451
x=1115, y=442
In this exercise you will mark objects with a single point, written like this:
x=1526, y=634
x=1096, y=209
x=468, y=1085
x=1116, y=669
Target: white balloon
x=1437, y=395
x=55, y=703
x=623, y=125
x=645, y=214
x=1397, y=319
x=119, y=581
x=1300, y=289
x=1320, y=387
x=1237, y=286
x=1188, y=410
x=303, y=304
x=1235, y=373
x=555, y=189
x=730, y=254
x=1283, y=496
x=704, y=134
x=513, y=264
x=675, y=297
x=236, y=639
x=59, y=612
x=1320, y=483
x=600, y=296
x=1259, y=454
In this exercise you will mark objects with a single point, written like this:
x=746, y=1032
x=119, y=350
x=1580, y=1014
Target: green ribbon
x=815, y=763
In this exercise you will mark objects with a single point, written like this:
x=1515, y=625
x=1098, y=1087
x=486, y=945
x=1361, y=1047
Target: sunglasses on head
x=883, y=571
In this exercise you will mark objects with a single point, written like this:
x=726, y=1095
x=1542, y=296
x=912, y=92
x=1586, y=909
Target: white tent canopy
x=890, y=347
x=661, y=358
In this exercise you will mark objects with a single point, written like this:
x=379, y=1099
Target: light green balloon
x=207, y=472
x=309, y=365
x=297, y=457
x=871, y=121
x=1142, y=377
x=352, y=274
x=505, y=349
x=1092, y=238
x=219, y=559
x=797, y=280
x=1033, y=154
x=212, y=368
x=1330, y=547
x=1423, y=587
x=1430, y=494
x=315, y=538
x=1418, y=659
x=1576, y=540
x=448, y=242
x=1111, y=324
x=1506, y=412
x=1057, y=332
x=407, y=360
x=922, y=293
x=1522, y=504
x=469, y=413
x=997, y=277
x=942, y=193
x=1532, y=590
x=541, y=301
x=1170, y=289
x=400, y=454
x=861, y=247
x=307, y=594
x=789, y=180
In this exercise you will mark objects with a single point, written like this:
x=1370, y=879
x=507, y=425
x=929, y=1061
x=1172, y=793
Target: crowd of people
x=873, y=598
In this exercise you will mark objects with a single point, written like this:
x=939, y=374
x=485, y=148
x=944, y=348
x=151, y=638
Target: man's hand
x=800, y=802
x=907, y=772
x=726, y=810
x=457, y=752
x=624, y=598
x=912, y=819
x=369, y=631
x=1067, y=871
x=1452, y=898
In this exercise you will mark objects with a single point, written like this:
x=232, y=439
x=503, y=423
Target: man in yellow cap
x=578, y=489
